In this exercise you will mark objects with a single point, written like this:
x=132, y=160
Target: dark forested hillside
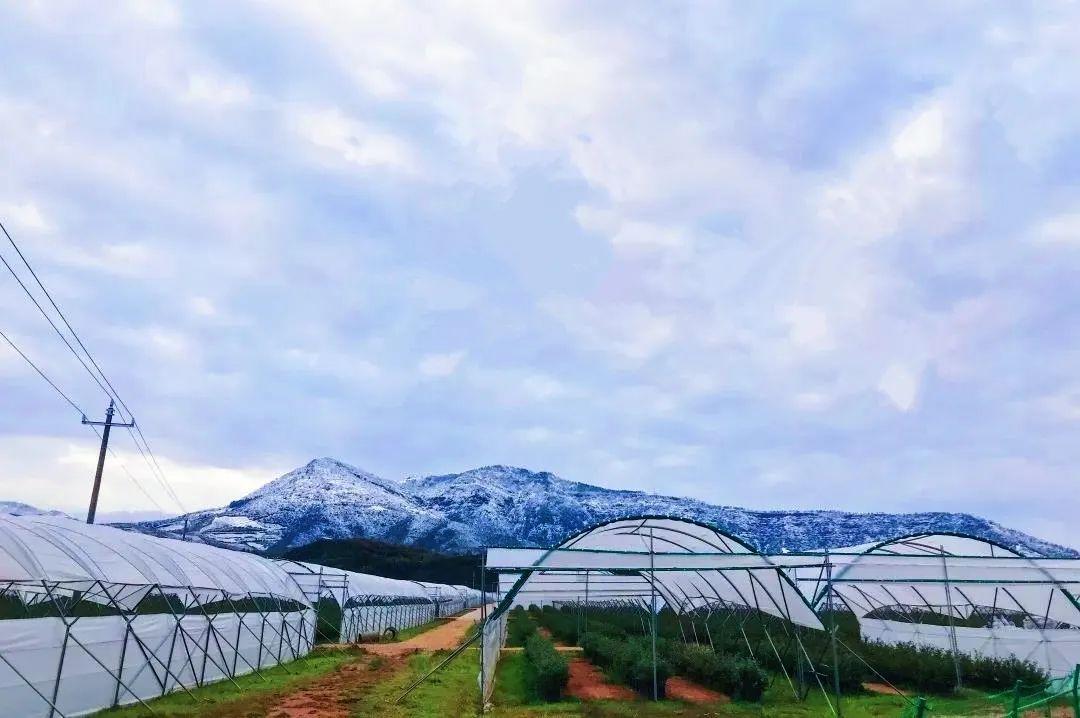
x=392, y=561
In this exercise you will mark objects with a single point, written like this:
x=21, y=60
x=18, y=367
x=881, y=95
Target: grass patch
x=221, y=698
x=450, y=692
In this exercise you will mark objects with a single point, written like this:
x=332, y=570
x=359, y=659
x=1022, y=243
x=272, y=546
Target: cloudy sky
x=778, y=256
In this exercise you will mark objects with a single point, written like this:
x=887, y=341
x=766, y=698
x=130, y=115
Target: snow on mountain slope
x=323, y=499
x=508, y=506
x=18, y=508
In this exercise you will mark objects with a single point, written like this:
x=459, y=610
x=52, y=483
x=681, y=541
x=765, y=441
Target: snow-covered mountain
x=508, y=506
x=17, y=508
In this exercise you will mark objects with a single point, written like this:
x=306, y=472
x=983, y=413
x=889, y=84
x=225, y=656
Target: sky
x=773, y=255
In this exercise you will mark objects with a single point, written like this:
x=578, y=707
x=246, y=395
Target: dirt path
x=880, y=688
x=332, y=695
x=444, y=637
x=588, y=683
x=682, y=689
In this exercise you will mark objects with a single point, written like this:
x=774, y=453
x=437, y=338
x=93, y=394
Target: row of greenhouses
x=93, y=617
x=969, y=600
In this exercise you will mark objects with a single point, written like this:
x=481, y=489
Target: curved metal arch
x=661, y=517
x=954, y=534
x=1013, y=553
x=511, y=594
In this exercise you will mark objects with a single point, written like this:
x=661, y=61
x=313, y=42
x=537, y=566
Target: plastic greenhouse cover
x=942, y=570
x=56, y=549
x=343, y=584
x=693, y=565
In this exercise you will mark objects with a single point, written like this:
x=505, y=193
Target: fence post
x=1016, y=701
x=920, y=707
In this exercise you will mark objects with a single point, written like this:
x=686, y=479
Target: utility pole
x=108, y=424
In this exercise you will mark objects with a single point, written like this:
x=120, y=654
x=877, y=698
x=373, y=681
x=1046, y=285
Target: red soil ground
x=681, y=689
x=588, y=683
x=881, y=688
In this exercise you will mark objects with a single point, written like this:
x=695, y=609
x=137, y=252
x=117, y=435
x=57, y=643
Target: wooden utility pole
x=108, y=424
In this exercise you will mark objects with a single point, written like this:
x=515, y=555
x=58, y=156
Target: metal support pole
x=952, y=626
x=483, y=629
x=586, y=602
x=652, y=586
x=832, y=635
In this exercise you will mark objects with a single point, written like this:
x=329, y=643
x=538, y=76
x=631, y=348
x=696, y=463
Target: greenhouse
x=961, y=596
x=92, y=616
x=363, y=605
x=958, y=593
x=96, y=616
x=649, y=562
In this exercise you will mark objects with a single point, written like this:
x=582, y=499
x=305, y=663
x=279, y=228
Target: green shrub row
x=627, y=661
x=519, y=627
x=551, y=668
x=923, y=669
x=734, y=676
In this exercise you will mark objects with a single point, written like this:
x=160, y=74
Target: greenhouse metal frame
x=93, y=616
x=371, y=605
x=147, y=615
x=693, y=568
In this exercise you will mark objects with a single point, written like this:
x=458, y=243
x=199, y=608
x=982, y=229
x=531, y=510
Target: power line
x=153, y=462
x=77, y=408
x=53, y=324
x=110, y=391
x=130, y=475
x=64, y=319
x=42, y=374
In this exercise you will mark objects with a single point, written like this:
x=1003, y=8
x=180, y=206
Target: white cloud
x=436, y=292
x=917, y=182
x=923, y=138
x=21, y=217
x=202, y=307
x=54, y=472
x=353, y=141
x=437, y=366
x=1062, y=230
x=216, y=91
x=644, y=237
x=632, y=331
x=808, y=328
x=635, y=225
x=1062, y=406
x=900, y=385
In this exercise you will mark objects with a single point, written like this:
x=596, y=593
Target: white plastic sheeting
x=372, y=604
x=688, y=564
x=109, y=661
x=695, y=566
x=182, y=614
x=1057, y=650
x=63, y=551
x=962, y=577
x=450, y=598
x=949, y=574
x=491, y=643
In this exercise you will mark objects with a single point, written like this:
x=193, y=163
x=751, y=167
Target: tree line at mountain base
x=394, y=561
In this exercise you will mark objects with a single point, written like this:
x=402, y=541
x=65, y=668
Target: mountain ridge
x=500, y=505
